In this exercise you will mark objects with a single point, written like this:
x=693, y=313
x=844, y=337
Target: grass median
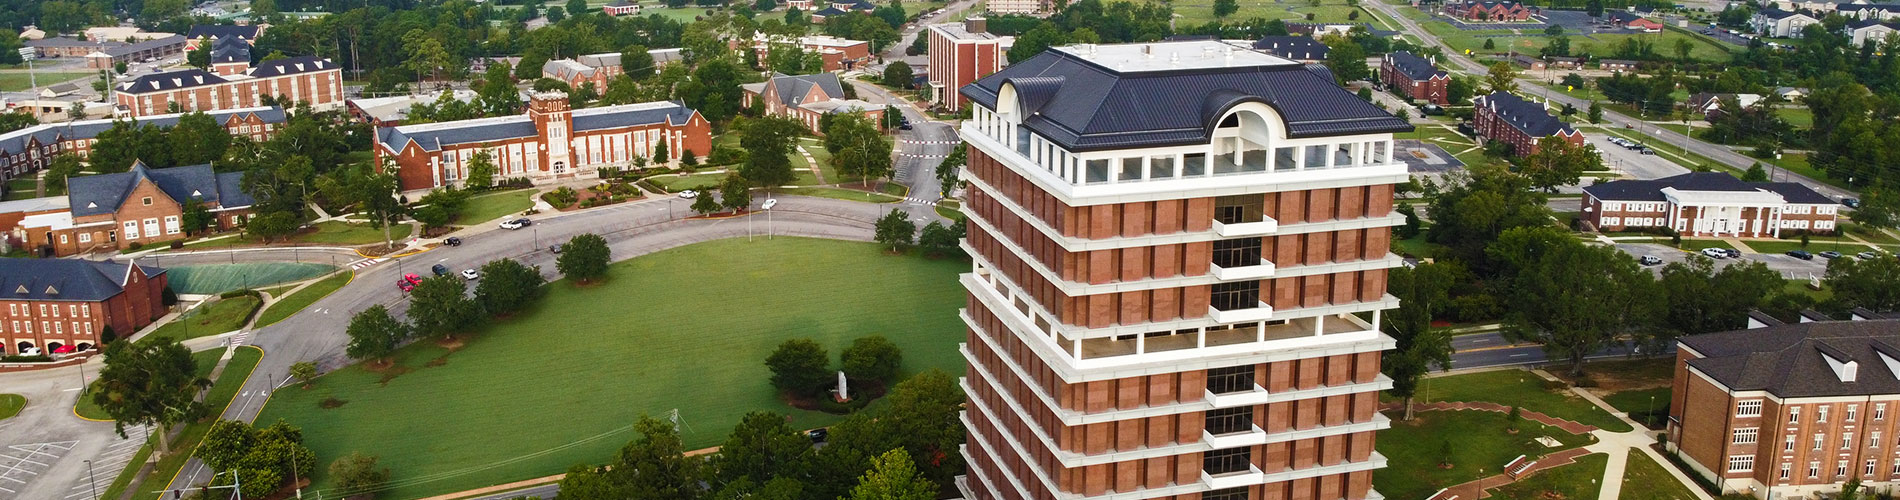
x=1522, y=389
x=1478, y=442
x=211, y=318
x=223, y=390
x=289, y=305
x=11, y=404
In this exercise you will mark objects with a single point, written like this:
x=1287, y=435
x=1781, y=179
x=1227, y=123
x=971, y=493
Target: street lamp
x=93, y=480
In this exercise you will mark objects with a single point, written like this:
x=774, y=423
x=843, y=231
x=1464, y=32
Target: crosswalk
x=239, y=339
x=360, y=264
x=908, y=141
x=913, y=200
x=111, y=461
x=20, y=464
x=909, y=155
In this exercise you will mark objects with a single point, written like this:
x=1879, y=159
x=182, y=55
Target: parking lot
x=21, y=464
x=1788, y=267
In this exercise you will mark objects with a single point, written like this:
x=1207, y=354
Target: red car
x=412, y=278
x=405, y=285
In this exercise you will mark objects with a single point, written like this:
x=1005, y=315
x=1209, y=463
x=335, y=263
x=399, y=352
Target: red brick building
x=1789, y=411
x=67, y=305
x=549, y=142
x=621, y=8
x=145, y=206
x=29, y=149
x=1490, y=11
x=1412, y=76
x=960, y=54
x=1709, y=204
x=297, y=79
x=808, y=98
x=838, y=54
x=1164, y=304
x=1505, y=117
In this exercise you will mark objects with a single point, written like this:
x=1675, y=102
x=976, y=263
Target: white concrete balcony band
x=1262, y=270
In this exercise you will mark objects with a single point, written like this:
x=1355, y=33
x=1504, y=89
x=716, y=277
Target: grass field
x=346, y=234
x=11, y=404
x=222, y=391
x=13, y=82
x=1577, y=480
x=220, y=278
x=1644, y=479
x=703, y=182
x=950, y=209
x=1798, y=163
x=1869, y=234
x=1640, y=403
x=1519, y=388
x=1196, y=12
x=287, y=306
x=843, y=194
x=1815, y=245
x=563, y=380
x=1800, y=118
x=1531, y=40
x=493, y=206
x=1480, y=443
x=211, y=318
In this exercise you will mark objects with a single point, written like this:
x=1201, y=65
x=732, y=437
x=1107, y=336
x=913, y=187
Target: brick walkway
x=1566, y=425
x=1474, y=490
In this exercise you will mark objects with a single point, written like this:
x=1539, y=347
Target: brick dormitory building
x=140, y=207
x=237, y=84
x=1709, y=204
x=1164, y=304
x=807, y=98
x=68, y=305
x=1505, y=117
x=1415, y=77
x=1790, y=410
x=30, y=149
x=548, y=142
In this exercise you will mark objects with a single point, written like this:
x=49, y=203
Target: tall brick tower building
x=1180, y=254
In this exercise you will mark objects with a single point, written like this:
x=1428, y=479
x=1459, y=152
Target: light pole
x=92, y=479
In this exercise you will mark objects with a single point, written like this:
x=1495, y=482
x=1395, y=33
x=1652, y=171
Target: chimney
x=976, y=25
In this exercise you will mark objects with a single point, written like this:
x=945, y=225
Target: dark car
x=1851, y=202
x=555, y=248
x=818, y=435
x=452, y=241
x=439, y=269
x=1831, y=254
x=1733, y=253
x=1801, y=254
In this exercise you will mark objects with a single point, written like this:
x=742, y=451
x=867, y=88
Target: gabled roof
x=1791, y=360
x=143, y=46
x=65, y=279
x=1078, y=98
x=1777, y=14
x=1293, y=47
x=1414, y=67
x=223, y=30
x=291, y=66
x=631, y=115
x=1526, y=116
x=230, y=49
x=828, y=12
x=49, y=133
x=792, y=88
x=104, y=193
x=434, y=136
x=170, y=80
x=1652, y=189
x=1861, y=24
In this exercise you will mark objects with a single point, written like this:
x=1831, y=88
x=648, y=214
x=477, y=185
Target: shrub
x=241, y=293
x=726, y=156
x=177, y=244
x=799, y=366
x=872, y=358
x=1586, y=382
x=1555, y=385
x=649, y=185
x=38, y=358
x=168, y=297
x=134, y=245
x=561, y=197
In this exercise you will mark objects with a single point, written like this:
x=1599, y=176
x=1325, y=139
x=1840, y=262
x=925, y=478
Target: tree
x=1346, y=59
x=1594, y=8
x=576, y=7
x=263, y=459
x=1879, y=208
x=303, y=371
x=556, y=14
x=1698, y=298
x=800, y=367
x=1501, y=78
x=871, y=358
x=659, y=154
x=374, y=334
x=150, y=383
x=64, y=166
x=1459, y=90
x=857, y=148
x=1224, y=8
x=481, y=171
x=1873, y=283
x=895, y=229
x=894, y=477
x=705, y=204
x=1596, y=112
x=584, y=258
x=734, y=193
x=918, y=47
x=897, y=74
x=768, y=143
x=947, y=169
x=200, y=57
x=1559, y=163
x=636, y=62
x=440, y=306
x=937, y=238
x=441, y=206
x=374, y=193
x=497, y=93
x=358, y=475
x=761, y=448
x=764, y=5
x=1755, y=173
x=427, y=56
x=1490, y=44
x=1424, y=292
x=507, y=286
x=653, y=466
x=1572, y=298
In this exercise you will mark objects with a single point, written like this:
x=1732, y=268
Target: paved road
x=1479, y=350
x=920, y=149
x=1610, y=118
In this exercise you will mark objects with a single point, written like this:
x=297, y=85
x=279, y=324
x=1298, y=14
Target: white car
x=689, y=194
x=769, y=203
x=514, y=224
x=470, y=274
x=1715, y=253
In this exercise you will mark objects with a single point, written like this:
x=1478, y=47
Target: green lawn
x=823, y=158
x=1478, y=441
x=1417, y=246
x=1815, y=245
x=843, y=194
x=211, y=318
x=950, y=209
x=493, y=206
x=1519, y=388
x=223, y=390
x=21, y=188
x=10, y=405
x=346, y=234
x=683, y=329
x=1869, y=234
x=703, y=182
x=1644, y=479
x=1639, y=403
x=684, y=14
x=1800, y=118
x=287, y=306
x=1197, y=12
x=1798, y=163
x=1530, y=40
x=13, y=82
x=1578, y=480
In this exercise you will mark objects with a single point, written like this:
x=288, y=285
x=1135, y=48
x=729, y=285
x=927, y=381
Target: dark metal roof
x=291, y=66
x=829, y=11
x=1776, y=14
x=1529, y=117
x=1084, y=106
x=171, y=80
x=223, y=30
x=1790, y=360
x=634, y=115
x=19, y=140
x=1414, y=67
x=1651, y=190
x=792, y=88
x=65, y=279
x=145, y=45
x=434, y=136
x=231, y=49
x=104, y=193
x=1293, y=47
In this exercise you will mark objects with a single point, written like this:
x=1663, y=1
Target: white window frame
x=1748, y=408
x=1741, y=463
x=1744, y=436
